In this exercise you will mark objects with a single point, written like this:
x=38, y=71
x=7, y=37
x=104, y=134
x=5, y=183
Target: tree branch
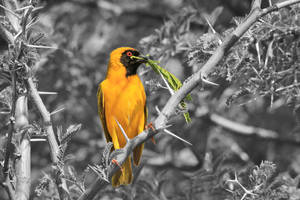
x=12, y=124
x=187, y=87
x=23, y=161
x=250, y=131
x=54, y=147
x=18, y=27
x=241, y=128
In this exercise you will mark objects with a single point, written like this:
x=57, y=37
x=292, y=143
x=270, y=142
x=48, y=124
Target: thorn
x=23, y=8
x=114, y=161
x=157, y=110
x=41, y=92
x=56, y=111
x=32, y=23
x=122, y=130
x=17, y=35
x=4, y=112
x=172, y=134
x=37, y=8
x=40, y=46
x=208, y=82
x=258, y=52
x=168, y=86
x=38, y=140
x=213, y=30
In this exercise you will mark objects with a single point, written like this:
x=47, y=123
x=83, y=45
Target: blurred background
x=171, y=31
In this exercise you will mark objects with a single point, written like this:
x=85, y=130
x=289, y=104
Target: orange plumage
x=121, y=96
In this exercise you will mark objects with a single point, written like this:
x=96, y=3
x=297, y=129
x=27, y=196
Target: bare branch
x=241, y=128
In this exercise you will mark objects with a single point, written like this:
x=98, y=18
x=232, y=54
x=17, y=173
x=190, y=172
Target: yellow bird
x=122, y=99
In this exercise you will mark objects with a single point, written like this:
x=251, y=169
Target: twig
x=287, y=87
x=187, y=87
x=246, y=191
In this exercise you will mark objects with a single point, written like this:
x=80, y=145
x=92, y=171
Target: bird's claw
x=114, y=161
x=150, y=125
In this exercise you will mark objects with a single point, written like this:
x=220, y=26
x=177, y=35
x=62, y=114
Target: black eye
x=129, y=53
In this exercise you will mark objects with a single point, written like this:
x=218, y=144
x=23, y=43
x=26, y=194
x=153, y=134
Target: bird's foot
x=114, y=161
x=150, y=125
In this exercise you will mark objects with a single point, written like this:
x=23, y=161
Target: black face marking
x=130, y=64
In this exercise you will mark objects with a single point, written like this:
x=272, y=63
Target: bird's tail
x=123, y=177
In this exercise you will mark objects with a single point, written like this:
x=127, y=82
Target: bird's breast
x=125, y=101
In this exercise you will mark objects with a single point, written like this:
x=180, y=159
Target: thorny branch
x=12, y=36
x=54, y=147
x=46, y=119
x=196, y=79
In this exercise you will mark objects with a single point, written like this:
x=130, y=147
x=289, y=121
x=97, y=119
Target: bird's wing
x=101, y=112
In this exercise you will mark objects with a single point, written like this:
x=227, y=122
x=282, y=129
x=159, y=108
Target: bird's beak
x=144, y=59
x=141, y=59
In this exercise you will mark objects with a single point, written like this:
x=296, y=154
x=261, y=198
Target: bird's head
x=123, y=57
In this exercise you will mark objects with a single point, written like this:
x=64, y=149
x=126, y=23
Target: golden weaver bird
x=122, y=99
